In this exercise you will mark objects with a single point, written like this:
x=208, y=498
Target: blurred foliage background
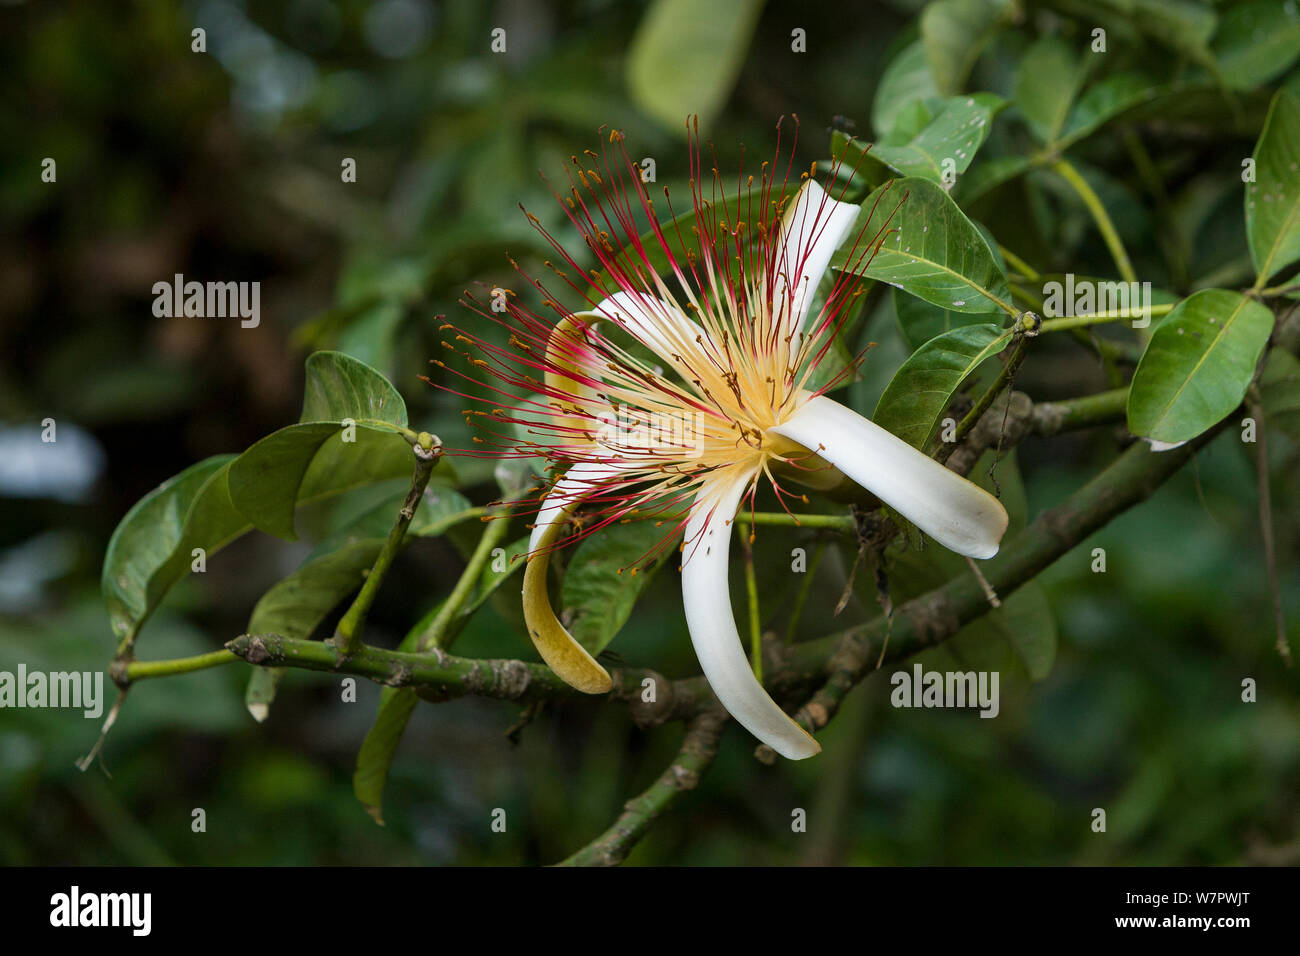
x=226, y=165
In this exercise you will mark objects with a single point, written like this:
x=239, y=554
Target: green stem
x=441, y=676
x=1278, y=290
x=932, y=618
x=1110, y=352
x=1175, y=250
x=802, y=597
x=1052, y=418
x=347, y=636
x=1090, y=199
x=445, y=624
x=698, y=749
x=782, y=520
x=142, y=670
x=1098, y=318
x=755, y=623
x=1020, y=265
x=982, y=405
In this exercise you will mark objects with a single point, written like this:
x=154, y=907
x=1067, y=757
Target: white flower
x=722, y=400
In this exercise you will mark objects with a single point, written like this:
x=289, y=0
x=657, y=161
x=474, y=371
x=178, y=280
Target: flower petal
x=955, y=512
x=656, y=324
x=562, y=653
x=713, y=628
x=813, y=228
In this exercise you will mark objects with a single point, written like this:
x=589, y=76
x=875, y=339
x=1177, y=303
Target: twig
x=698, y=749
x=446, y=624
x=936, y=616
x=1066, y=171
x=1005, y=375
x=1266, y=528
x=347, y=635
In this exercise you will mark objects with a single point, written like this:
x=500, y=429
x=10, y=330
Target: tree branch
x=938, y=615
x=439, y=676
x=347, y=636
x=698, y=749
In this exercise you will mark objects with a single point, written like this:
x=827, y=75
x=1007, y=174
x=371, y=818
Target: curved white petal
x=955, y=512
x=713, y=628
x=1158, y=446
x=565, y=656
x=656, y=324
x=812, y=229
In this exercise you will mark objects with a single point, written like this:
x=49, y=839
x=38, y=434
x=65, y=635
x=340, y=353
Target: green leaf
x=1046, y=83
x=338, y=387
x=440, y=508
x=858, y=163
x=1184, y=25
x=377, y=750
x=296, y=606
x=259, y=694
x=371, y=336
x=955, y=131
x=210, y=504
x=153, y=545
x=498, y=571
x=955, y=32
x=600, y=585
x=1273, y=199
x=906, y=80
x=1106, y=100
x=1279, y=390
x=919, y=321
x=987, y=176
x=932, y=251
x=1256, y=42
x=685, y=57
x=301, y=462
x=1026, y=622
x=922, y=388
x=396, y=704
x=1197, y=366
x=145, y=540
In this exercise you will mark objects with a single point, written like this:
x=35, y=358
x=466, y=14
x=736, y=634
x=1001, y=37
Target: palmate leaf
x=304, y=462
x=339, y=386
